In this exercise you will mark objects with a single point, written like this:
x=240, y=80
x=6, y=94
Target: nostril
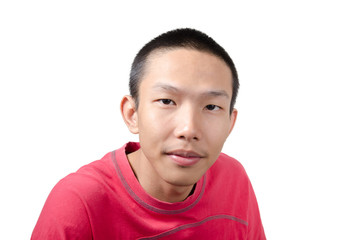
x=188, y=138
x=183, y=137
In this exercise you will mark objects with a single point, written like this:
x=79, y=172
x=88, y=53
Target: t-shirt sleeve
x=255, y=226
x=64, y=215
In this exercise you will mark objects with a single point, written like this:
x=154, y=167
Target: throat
x=192, y=191
x=153, y=185
x=174, y=194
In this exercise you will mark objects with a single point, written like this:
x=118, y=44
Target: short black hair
x=180, y=38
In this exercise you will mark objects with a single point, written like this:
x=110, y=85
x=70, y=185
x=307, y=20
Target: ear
x=129, y=113
x=233, y=117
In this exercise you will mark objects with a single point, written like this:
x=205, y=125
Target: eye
x=166, y=101
x=212, y=107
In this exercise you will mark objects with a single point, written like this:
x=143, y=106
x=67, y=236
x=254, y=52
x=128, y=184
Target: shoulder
x=228, y=175
x=229, y=166
x=66, y=210
x=89, y=180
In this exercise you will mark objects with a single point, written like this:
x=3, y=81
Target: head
x=183, y=88
x=180, y=38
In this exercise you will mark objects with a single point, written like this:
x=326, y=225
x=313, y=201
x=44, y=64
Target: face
x=183, y=117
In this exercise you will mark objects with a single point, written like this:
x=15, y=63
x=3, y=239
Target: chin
x=182, y=181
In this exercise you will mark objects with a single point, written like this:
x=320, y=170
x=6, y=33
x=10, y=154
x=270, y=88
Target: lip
x=184, y=158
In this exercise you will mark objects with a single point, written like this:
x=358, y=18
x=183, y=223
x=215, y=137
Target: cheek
x=216, y=134
x=152, y=124
x=216, y=127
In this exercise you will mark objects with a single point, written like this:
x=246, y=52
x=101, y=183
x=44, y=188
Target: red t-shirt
x=103, y=200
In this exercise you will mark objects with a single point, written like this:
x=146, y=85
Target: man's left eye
x=212, y=107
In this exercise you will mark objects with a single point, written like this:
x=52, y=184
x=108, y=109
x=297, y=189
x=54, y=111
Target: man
x=175, y=183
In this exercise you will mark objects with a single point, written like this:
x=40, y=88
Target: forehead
x=187, y=68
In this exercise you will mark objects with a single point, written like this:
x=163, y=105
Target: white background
x=64, y=67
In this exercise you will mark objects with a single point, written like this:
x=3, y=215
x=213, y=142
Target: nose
x=188, y=124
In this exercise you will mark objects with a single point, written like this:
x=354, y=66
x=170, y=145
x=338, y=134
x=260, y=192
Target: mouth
x=184, y=158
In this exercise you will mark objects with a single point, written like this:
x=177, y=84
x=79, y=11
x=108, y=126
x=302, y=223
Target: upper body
x=104, y=200
x=183, y=88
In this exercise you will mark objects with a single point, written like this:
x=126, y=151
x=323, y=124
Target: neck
x=170, y=194
x=153, y=184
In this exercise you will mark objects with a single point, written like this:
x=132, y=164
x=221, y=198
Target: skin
x=183, y=120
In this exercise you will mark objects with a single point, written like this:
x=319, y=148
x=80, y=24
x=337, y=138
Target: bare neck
x=153, y=184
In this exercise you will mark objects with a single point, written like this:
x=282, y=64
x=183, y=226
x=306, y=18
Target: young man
x=175, y=183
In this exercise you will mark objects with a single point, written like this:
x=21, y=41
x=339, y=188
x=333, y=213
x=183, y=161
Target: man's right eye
x=166, y=101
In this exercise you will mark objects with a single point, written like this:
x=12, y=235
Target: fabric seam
x=196, y=224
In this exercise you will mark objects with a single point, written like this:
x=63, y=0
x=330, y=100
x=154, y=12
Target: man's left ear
x=129, y=113
x=233, y=117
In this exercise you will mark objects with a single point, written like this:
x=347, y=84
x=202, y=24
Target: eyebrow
x=210, y=93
